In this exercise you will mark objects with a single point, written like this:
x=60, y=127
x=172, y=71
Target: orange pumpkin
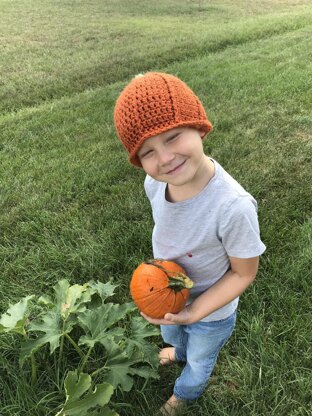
x=160, y=286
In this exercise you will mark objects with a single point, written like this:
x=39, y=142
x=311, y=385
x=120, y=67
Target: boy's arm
x=231, y=285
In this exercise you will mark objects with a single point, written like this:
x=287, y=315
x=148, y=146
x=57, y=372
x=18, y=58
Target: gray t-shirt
x=201, y=233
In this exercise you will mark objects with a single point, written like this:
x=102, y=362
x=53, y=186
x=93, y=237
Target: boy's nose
x=165, y=157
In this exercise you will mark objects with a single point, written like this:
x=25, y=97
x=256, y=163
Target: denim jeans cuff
x=179, y=354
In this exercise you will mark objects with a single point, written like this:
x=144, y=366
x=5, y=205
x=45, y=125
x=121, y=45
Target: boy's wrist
x=195, y=313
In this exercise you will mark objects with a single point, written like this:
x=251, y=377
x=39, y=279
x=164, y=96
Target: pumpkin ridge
x=152, y=306
x=150, y=294
x=183, y=297
x=168, y=295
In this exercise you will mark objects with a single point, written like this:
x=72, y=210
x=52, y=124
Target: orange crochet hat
x=153, y=103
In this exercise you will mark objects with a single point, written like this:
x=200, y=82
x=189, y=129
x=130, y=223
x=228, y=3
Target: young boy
x=203, y=220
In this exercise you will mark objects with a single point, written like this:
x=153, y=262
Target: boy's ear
x=202, y=133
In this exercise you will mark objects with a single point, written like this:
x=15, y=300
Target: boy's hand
x=182, y=318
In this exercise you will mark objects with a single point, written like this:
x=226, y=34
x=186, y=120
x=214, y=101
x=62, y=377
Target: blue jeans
x=198, y=345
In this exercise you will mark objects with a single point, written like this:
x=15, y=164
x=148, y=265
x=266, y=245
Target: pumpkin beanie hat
x=153, y=103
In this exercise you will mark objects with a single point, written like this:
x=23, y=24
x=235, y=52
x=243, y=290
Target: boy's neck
x=200, y=181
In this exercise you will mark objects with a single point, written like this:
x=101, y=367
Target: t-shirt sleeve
x=239, y=230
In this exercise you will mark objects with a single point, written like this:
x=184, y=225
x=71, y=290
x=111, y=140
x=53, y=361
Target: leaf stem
x=60, y=355
x=75, y=345
x=85, y=360
x=59, y=361
x=33, y=364
x=98, y=370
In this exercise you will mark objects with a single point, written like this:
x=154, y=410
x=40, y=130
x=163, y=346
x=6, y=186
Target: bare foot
x=166, y=356
x=173, y=407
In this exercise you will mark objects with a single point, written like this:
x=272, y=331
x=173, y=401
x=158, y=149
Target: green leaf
x=60, y=318
x=118, y=365
x=145, y=372
x=147, y=353
x=96, y=322
x=46, y=301
x=52, y=327
x=137, y=343
x=90, y=340
x=76, y=385
x=122, y=353
x=71, y=299
x=68, y=299
x=141, y=329
x=15, y=318
x=104, y=290
x=80, y=400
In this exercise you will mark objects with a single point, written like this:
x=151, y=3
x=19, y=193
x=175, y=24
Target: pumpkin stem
x=181, y=281
x=177, y=280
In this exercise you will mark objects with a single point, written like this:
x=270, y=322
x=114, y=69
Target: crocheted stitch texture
x=153, y=103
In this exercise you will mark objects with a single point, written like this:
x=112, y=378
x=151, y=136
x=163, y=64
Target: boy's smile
x=176, y=157
x=176, y=169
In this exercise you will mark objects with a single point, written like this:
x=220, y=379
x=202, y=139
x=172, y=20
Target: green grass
x=54, y=49
x=72, y=207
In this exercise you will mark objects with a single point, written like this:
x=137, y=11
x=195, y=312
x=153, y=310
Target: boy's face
x=174, y=156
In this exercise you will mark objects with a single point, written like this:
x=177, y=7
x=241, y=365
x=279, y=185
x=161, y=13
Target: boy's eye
x=145, y=154
x=171, y=139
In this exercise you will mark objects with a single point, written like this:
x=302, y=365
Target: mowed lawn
x=72, y=207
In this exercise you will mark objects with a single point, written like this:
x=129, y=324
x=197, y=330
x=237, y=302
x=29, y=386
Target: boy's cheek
x=149, y=167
